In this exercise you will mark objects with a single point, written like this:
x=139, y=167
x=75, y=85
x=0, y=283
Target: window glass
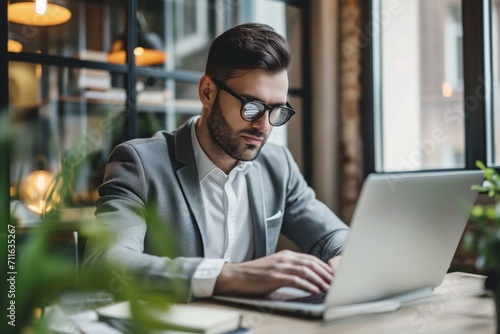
x=56, y=122
x=186, y=29
x=76, y=116
x=420, y=120
x=88, y=33
x=165, y=105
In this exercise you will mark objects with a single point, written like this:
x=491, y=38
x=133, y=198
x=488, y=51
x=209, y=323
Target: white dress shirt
x=229, y=235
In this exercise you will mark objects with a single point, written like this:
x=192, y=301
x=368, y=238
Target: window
x=432, y=76
x=74, y=95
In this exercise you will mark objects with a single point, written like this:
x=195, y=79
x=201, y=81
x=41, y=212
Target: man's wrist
x=225, y=281
x=205, y=276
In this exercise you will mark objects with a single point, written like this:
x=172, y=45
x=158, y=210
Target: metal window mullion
x=377, y=83
x=475, y=92
x=131, y=76
x=368, y=99
x=488, y=80
x=60, y=61
x=170, y=66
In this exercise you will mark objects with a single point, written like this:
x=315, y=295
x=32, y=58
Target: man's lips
x=252, y=139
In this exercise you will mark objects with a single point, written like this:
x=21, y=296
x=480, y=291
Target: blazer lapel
x=257, y=207
x=188, y=177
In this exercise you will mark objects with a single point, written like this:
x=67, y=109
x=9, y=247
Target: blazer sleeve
x=124, y=214
x=308, y=222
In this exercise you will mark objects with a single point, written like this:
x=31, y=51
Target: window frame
x=478, y=99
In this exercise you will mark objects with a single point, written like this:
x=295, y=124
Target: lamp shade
x=37, y=13
x=149, y=50
x=14, y=46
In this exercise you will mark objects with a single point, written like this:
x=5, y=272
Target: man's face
x=234, y=136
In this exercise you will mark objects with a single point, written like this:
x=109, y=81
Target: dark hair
x=246, y=47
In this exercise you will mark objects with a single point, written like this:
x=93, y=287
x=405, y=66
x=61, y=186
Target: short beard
x=224, y=139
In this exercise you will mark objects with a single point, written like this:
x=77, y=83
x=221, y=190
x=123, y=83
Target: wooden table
x=459, y=305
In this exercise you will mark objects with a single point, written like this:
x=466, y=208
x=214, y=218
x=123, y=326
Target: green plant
x=484, y=236
x=35, y=273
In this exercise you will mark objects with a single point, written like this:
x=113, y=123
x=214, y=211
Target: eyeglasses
x=252, y=110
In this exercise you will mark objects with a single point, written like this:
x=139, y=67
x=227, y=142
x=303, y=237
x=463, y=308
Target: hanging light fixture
x=14, y=46
x=149, y=50
x=37, y=13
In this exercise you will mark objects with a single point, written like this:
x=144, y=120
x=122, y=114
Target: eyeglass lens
x=253, y=110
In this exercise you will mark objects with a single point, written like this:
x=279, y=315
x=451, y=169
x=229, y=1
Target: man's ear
x=207, y=91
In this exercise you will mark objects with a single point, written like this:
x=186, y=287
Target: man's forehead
x=261, y=84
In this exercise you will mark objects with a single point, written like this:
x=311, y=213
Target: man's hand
x=264, y=275
x=334, y=263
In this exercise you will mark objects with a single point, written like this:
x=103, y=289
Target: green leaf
x=477, y=211
x=480, y=164
x=469, y=242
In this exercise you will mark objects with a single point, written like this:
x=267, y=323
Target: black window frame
x=478, y=99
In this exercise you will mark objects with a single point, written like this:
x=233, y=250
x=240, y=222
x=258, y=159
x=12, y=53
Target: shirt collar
x=204, y=165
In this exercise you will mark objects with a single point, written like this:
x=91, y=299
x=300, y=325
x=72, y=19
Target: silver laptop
x=404, y=234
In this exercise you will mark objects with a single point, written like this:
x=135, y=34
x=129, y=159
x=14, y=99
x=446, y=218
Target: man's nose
x=263, y=122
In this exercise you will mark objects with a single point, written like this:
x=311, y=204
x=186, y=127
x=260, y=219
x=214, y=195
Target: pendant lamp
x=149, y=50
x=37, y=13
x=14, y=46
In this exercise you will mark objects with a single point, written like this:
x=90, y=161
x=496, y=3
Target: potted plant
x=484, y=236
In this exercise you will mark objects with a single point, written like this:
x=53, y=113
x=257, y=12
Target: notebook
x=174, y=317
x=404, y=232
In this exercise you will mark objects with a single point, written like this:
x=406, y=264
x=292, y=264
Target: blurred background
x=379, y=86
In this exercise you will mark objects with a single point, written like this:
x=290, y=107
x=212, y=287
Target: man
x=223, y=195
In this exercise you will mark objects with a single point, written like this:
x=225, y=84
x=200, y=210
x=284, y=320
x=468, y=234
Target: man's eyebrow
x=251, y=97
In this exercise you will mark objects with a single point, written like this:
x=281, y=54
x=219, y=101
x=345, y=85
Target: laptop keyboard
x=317, y=298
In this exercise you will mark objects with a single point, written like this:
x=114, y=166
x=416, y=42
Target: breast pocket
x=273, y=224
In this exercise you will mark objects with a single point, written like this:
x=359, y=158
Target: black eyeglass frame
x=244, y=101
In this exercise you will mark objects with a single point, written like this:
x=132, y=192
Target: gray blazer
x=151, y=203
